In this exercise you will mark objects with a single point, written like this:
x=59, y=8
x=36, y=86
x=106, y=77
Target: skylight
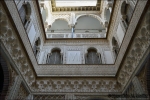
x=75, y=3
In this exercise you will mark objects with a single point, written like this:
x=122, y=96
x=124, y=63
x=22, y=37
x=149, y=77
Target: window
x=129, y=12
x=126, y=12
x=36, y=47
x=93, y=57
x=25, y=12
x=54, y=57
x=115, y=47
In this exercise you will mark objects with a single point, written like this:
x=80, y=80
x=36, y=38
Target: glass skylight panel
x=75, y=3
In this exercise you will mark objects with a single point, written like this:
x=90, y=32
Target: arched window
x=126, y=12
x=36, y=47
x=129, y=12
x=115, y=47
x=25, y=13
x=54, y=57
x=93, y=57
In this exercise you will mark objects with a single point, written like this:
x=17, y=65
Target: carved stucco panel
x=139, y=46
x=10, y=40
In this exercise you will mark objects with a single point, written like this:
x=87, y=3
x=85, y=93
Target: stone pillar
x=15, y=88
x=72, y=36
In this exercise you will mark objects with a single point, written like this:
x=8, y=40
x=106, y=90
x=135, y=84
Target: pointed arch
x=4, y=77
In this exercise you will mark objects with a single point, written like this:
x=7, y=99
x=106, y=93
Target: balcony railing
x=76, y=35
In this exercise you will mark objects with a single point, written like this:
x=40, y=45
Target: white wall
x=120, y=33
x=75, y=54
x=41, y=57
x=108, y=57
x=74, y=57
x=32, y=34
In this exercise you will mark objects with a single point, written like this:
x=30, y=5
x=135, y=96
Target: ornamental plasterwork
x=11, y=42
x=136, y=16
x=77, y=41
x=13, y=75
x=139, y=46
x=49, y=97
x=22, y=93
x=76, y=70
x=37, y=20
x=77, y=85
x=114, y=20
x=143, y=77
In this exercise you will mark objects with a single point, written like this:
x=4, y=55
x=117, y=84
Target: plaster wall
x=32, y=34
x=76, y=54
x=120, y=33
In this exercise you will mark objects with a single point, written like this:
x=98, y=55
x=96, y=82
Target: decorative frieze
x=49, y=97
x=77, y=85
x=22, y=93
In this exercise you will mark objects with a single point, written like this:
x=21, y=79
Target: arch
x=56, y=48
x=36, y=46
x=92, y=48
x=54, y=57
x=4, y=77
x=64, y=19
x=107, y=12
x=28, y=8
x=123, y=7
x=92, y=56
x=126, y=11
x=25, y=13
x=90, y=15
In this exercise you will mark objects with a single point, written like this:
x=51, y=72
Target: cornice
x=76, y=41
x=76, y=70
